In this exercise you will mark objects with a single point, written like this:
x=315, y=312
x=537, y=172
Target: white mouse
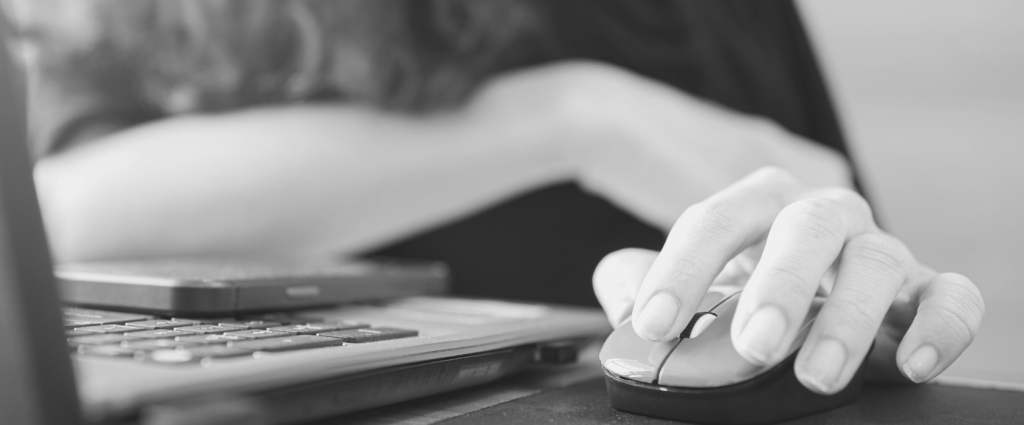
x=699, y=377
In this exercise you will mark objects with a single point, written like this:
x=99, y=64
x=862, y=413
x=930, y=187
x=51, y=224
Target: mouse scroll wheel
x=698, y=324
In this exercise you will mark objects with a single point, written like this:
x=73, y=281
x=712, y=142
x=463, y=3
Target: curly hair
x=177, y=56
x=123, y=62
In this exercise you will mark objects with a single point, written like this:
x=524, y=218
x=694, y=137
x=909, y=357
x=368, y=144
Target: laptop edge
x=38, y=383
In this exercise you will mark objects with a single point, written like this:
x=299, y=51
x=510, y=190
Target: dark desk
x=577, y=396
x=926, y=404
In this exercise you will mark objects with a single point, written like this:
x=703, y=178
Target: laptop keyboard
x=167, y=340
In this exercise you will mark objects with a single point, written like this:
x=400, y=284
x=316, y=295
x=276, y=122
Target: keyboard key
x=101, y=339
x=212, y=338
x=207, y=329
x=285, y=318
x=170, y=356
x=163, y=323
x=204, y=320
x=70, y=333
x=359, y=336
x=108, y=329
x=109, y=351
x=71, y=323
x=195, y=354
x=296, y=342
x=235, y=326
x=347, y=324
x=257, y=334
x=156, y=344
x=251, y=324
x=161, y=333
x=102, y=317
x=218, y=351
x=315, y=328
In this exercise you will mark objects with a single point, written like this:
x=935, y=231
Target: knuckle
x=880, y=253
x=623, y=259
x=712, y=221
x=958, y=324
x=774, y=174
x=820, y=218
x=774, y=182
x=841, y=194
x=610, y=263
x=706, y=230
x=854, y=315
x=849, y=197
x=687, y=270
x=962, y=301
x=959, y=321
x=965, y=288
x=788, y=284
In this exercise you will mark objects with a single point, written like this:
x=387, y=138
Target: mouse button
x=715, y=295
x=708, y=361
x=712, y=361
x=627, y=355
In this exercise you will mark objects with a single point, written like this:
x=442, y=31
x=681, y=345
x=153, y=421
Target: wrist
x=814, y=164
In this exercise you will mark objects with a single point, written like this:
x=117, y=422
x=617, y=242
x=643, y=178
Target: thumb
x=617, y=279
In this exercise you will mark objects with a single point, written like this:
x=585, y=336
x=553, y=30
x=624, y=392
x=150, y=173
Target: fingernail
x=657, y=317
x=825, y=364
x=921, y=364
x=763, y=334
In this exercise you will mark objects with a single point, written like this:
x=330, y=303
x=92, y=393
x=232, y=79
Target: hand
x=789, y=242
x=644, y=145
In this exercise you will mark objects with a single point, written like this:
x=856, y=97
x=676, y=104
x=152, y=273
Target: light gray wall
x=932, y=95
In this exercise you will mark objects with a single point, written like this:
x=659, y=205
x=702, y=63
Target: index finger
x=699, y=245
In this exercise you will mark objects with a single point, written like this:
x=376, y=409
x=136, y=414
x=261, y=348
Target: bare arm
x=294, y=179
x=346, y=179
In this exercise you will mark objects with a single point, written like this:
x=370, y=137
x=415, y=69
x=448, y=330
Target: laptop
x=71, y=365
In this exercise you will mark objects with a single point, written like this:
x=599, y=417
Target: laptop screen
x=36, y=380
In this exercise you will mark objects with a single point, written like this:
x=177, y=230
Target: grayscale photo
x=415, y=212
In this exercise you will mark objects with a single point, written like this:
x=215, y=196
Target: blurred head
x=189, y=55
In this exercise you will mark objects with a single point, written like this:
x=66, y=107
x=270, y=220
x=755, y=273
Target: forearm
x=674, y=150
x=301, y=179
x=345, y=179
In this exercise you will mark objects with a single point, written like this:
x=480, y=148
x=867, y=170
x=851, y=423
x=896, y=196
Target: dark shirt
x=751, y=56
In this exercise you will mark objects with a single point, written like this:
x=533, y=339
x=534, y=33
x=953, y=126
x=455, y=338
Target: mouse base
x=774, y=396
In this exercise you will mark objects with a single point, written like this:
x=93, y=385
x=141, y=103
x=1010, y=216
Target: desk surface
x=579, y=397
x=587, y=403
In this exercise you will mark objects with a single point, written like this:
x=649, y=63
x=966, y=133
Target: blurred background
x=932, y=97
x=931, y=93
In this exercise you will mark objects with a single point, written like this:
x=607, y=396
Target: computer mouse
x=699, y=377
